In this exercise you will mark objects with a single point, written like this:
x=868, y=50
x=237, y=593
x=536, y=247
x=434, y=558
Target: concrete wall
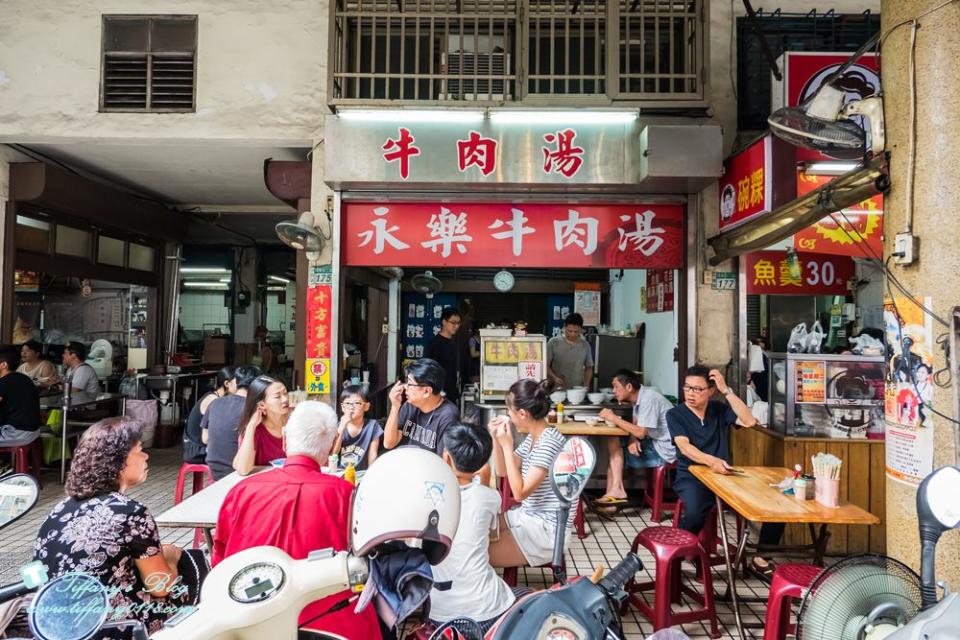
x=261, y=71
x=716, y=317
x=659, y=367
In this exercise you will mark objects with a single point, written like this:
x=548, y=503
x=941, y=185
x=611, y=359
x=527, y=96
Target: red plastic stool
x=200, y=473
x=710, y=538
x=27, y=458
x=654, y=489
x=669, y=547
x=789, y=583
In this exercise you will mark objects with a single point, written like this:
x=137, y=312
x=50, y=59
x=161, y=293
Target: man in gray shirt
x=569, y=359
x=649, y=443
x=81, y=377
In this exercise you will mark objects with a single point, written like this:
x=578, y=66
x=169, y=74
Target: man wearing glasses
x=449, y=352
x=700, y=428
x=426, y=415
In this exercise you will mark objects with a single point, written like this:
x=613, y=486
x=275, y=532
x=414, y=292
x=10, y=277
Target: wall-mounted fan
x=824, y=124
x=426, y=283
x=301, y=234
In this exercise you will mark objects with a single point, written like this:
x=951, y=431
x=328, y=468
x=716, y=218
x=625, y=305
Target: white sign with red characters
x=476, y=234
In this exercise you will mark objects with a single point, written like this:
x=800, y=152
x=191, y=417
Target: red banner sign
x=806, y=71
x=639, y=236
x=318, y=321
x=856, y=231
x=768, y=272
x=746, y=188
x=659, y=290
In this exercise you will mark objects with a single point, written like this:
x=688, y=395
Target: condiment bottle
x=559, y=412
x=350, y=474
x=800, y=488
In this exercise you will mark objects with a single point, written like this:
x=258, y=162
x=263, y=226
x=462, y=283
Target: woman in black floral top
x=99, y=531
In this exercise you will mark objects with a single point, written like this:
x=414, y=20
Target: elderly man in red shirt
x=299, y=509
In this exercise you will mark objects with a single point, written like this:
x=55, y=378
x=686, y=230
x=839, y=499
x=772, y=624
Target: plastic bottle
x=350, y=474
x=560, y=417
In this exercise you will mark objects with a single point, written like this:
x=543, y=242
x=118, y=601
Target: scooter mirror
x=71, y=607
x=939, y=491
x=18, y=494
x=572, y=469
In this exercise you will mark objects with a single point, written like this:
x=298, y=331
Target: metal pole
x=174, y=315
x=731, y=579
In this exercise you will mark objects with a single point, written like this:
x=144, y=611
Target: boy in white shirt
x=476, y=591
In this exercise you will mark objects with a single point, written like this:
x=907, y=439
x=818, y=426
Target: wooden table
x=752, y=497
x=201, y=510
x=577, y=428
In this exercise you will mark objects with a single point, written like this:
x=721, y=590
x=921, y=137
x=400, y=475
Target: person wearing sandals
x=648, y=444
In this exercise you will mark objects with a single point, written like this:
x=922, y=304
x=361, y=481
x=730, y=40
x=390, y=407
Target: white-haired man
x=299, y=509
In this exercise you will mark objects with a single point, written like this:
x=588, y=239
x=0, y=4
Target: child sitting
x=477, y=592
x=358, y=441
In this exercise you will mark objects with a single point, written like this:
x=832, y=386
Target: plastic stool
x=789, y=583
x=669, y=547
x=654, y=489
x=710, y=538
x=200, y=473
x=27, y=458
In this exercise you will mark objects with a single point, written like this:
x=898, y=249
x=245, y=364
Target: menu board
x=811, y=381
x=421, y=321
x=659, y=290
x=503, y=361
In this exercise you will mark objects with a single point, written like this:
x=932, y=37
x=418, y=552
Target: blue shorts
x=648, y=458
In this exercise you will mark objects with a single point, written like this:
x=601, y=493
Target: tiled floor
x=608, y=541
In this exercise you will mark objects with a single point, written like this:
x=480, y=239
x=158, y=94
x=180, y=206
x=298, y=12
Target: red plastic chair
x=669, y=547
x=654, y=489
x=710, y=536
x=200, y=473
x=27, y=458
x=789, y=583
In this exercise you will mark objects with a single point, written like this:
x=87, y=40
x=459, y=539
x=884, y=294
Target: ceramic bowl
x=558, y=396
x=596, y=398
x=576, y=395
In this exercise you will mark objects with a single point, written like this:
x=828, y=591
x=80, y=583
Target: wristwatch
x=728, y=391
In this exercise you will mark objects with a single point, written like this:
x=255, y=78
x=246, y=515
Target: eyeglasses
x=456, y=322
x=351, y=405
x=687, y=387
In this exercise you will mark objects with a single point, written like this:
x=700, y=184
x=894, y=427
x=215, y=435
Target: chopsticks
x=826, y=466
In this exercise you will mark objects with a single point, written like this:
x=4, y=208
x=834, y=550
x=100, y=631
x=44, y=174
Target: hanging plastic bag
x=815, y=338
x=761, y=411
x=798, y=339
x=755, y=358
x=752, y=396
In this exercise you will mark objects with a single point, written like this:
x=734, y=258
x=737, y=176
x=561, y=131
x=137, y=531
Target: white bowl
x=596, y=398
x=608, y=397
x=558, y=396
x=576, y=395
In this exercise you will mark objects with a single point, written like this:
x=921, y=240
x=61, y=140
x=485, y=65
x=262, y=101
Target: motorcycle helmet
x=407, y=494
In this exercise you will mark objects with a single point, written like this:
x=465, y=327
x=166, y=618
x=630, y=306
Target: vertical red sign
x=746, y=187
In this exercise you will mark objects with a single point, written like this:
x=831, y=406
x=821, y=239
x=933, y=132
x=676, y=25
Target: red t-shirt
x=268, y=446
x=299, y=509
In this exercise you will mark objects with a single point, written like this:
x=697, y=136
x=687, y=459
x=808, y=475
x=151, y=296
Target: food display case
x=506, y=359
x=825, y=395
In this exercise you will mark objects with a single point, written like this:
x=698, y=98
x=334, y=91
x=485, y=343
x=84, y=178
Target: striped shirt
x=543, y=502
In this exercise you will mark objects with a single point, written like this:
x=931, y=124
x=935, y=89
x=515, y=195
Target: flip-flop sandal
x=610, y=501
x=765, y=572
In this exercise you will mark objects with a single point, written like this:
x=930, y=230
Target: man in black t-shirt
x=700, y=429
x=449, y=353
x=423, y=418
x=19, y=399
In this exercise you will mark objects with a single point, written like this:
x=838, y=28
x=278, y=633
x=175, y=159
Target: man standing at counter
x=569, y=359
x=426, y=415
x=448, y=352
x=649, y=444
x=700, y=428
x=81, y=377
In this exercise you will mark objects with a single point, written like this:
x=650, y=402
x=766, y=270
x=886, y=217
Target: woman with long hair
x=100, y=531
x=265, y=413
x=527, y=532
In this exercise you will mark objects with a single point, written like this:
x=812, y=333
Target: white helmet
x=406, y=493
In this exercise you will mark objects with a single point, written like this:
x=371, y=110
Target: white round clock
x=503, y=280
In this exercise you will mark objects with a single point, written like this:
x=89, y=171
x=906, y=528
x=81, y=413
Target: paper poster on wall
x=498, y=378
x=532, y=370
x=587, y=304
x=812, y=380
x=909, y=453
x=318, y=375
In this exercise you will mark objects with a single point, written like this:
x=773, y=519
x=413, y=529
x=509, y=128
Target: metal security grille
x=149, y=63
x=439, y=52
x=789, y=32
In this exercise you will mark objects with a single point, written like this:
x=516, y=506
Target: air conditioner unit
x=489, y=59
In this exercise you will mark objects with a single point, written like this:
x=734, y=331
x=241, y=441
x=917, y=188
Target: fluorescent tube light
x=279, y=279
x=411, y=115
x=831, y=168
x=207, y=285
x=203, y=270
x=563, y=117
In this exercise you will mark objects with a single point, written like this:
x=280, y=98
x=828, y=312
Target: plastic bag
x=752, y=396
x=867, y=345
x=798, y=339
x=755, y=358
x=761, y=411
x=815, y=338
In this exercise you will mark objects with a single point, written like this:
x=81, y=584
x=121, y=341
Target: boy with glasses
x=358, y=442
x=700, y=428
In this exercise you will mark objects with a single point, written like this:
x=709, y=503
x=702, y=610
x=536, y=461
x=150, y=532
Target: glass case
x=825, y=395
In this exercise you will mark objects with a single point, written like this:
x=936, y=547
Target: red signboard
x=856, y=231
x=318, y=321
x=804, y=73
x=639, y=236
x=659, y=290
x=746, y=188
x=768, y=272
